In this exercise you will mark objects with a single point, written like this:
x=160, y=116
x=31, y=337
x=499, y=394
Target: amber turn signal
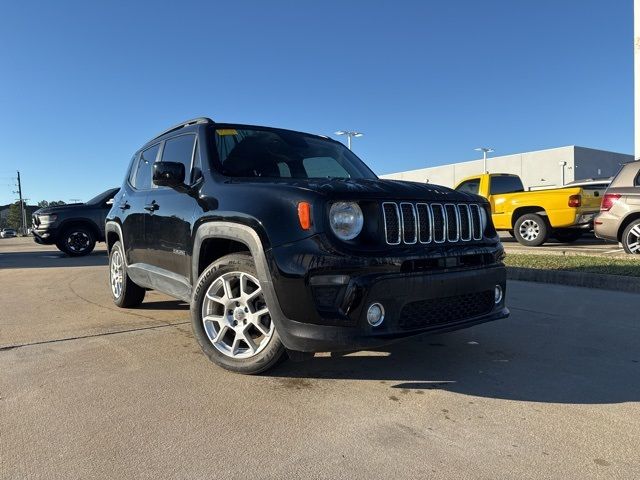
x=304, y=215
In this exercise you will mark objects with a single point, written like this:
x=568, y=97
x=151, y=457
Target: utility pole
x=22, y=209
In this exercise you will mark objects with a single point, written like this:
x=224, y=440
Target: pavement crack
x=119, y=310
x=93, y=335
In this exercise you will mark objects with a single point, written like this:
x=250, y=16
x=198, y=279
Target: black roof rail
x=194, y=121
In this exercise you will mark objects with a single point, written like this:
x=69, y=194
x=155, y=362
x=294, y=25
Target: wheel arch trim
x=249, y=237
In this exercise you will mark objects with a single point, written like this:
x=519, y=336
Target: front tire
x=631, y=238
x=77, y=241
x=531, y=230
x=124, y=292
x=231, y=320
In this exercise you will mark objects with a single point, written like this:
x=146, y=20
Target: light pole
x=484, y=151
x=349, y=135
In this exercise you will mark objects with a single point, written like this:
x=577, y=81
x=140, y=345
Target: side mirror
x=168, y=174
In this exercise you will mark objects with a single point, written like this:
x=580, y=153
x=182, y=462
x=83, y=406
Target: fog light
x=498, y=294
x=375, y=314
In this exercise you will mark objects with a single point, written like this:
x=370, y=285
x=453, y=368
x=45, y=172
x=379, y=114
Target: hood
x=57, y=209
x=352, y=189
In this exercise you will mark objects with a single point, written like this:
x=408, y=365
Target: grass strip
x=629, y=267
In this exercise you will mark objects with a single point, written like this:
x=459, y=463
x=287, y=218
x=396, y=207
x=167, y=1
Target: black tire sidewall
x=132, y=294
x=544, y=230
x=268, y=357
x=62, y=244
x=625, y=236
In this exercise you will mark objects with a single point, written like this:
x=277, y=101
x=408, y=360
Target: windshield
x=103, y=197
x=272, y=153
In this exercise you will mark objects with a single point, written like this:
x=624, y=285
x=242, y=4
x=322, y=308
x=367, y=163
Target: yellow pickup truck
x=534, y=216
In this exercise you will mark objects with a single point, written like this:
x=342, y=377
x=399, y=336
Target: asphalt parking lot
x=88, y=390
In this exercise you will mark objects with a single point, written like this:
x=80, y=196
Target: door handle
x=124, y=205
x=152, y=207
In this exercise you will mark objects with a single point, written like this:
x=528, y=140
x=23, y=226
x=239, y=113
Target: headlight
x=346, y=220
x=48, y=218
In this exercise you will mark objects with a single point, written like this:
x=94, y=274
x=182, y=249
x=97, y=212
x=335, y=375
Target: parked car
x=73, y=228
x=619, y=218
x=534, y=216
x=8, y=233
x=284, y=241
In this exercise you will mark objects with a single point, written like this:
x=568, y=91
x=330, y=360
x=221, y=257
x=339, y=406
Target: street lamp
x=484, y=151
x=349, y=135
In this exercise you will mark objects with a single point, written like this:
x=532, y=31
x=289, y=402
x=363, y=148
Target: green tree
x=52, y=203
x=14, y=218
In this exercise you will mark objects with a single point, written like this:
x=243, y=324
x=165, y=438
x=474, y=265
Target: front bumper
x=44, y=236
x=415, y=302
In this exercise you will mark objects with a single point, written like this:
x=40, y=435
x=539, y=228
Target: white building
x=553, y=167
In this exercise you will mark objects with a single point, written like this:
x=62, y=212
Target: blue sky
x=84, y=84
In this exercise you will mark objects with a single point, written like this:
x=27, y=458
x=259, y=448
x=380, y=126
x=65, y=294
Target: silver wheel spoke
x=223, y=312
x=259, y=325
x=221, y=333
x=636, y=231
x=634, y=247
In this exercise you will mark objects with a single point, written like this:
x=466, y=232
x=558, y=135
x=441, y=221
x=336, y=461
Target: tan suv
x=619, y=218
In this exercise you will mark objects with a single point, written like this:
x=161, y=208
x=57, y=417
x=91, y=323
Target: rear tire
x=124, y=292
x=76, y=241
x=567, y=235
x=631, y=238
x=531, y=230
x=231, y=320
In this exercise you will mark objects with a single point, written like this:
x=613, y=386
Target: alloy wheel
x=633, y=239
x=235, y=315
x=78, y=242
x=116, y=273
x=529, y=230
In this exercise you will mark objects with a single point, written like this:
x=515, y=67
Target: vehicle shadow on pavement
x=163, y=305
x=51, y=259
x=494, y=362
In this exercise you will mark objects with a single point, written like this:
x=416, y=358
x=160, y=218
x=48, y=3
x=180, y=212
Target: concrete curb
x=618, y=283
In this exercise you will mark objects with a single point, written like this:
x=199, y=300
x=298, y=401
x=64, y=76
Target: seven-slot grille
x=410, y=223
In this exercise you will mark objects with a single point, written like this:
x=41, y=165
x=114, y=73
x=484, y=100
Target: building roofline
x=506, y=155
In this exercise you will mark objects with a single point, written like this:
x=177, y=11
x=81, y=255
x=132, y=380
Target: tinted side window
x=142, y=179
x=180, y=149
x=196, y=171
x=505, y=184
x=470, y=186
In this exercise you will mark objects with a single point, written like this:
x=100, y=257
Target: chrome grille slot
x=391, y=223
x=465, y=223
x=409, y=223
x=476, y=222
x=452, y=222
x=439, y=230
x=425, y=222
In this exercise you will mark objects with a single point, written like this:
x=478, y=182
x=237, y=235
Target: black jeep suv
x=74, y=228
x=285, y=241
